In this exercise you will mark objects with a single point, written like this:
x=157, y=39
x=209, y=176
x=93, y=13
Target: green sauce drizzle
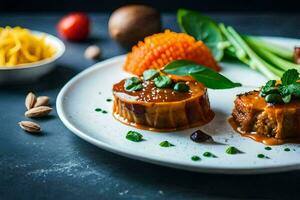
x=268, y=148
x=232, y=150
x=166, y=144
x=262, y=156
x=287, y=149
x=195, y=158
x=209, y=154
x=134, y=136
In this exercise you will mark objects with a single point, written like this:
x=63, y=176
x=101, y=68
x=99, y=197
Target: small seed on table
x=30, y=127
x=92, y=52
x=38, y=111
x=42, y=101
x=30, y=100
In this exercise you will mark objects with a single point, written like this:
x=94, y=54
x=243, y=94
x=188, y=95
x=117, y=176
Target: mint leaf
x=200, y=73
x=287, y=98
x=181, y=87
x=290, y=77
x=295, y=88
x=162, y=82
x=133, y=84
x=270, y=83
x=150, y=74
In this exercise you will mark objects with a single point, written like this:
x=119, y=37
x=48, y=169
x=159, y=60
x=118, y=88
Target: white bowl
x=32, y=71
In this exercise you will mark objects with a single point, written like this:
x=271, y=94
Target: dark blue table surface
x=59, y=165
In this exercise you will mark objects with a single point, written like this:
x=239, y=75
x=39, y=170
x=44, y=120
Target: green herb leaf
x=133, y=84
x=200, y=73
x=269, y=88
x=273, y=98
x=287, y=98
x=282, y=93
x=181, y=87
x=150, y=74
x=270, y=83
x=134, y=136
x=166, y=144
x=296, y=89
x=201, y=28
x=162, y=82
x=289, y=77
x=195, y=158
x=232, y=150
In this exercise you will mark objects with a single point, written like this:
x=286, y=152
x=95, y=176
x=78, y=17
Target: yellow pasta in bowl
x=27, y=55
x=20, y=46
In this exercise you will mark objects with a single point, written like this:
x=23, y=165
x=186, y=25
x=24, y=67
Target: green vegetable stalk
x=270, y=59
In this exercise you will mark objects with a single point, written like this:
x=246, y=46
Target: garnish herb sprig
x=284, y=92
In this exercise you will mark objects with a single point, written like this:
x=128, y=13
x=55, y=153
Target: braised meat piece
x=162, y=109
x=253, y=114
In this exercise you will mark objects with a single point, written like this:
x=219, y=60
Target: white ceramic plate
x=89, y=90
x=33, y=71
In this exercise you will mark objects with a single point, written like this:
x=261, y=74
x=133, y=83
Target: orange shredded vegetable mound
x=160, y=49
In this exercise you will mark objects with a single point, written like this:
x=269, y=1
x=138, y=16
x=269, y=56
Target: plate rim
x=139, y=156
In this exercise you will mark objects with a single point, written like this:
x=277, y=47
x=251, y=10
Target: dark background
x=163, y=5
x=60, y=165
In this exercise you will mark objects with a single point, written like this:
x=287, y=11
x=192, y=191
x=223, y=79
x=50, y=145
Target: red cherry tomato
x=74, y=27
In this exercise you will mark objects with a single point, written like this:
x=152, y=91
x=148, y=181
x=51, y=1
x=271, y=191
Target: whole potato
x=130, y=24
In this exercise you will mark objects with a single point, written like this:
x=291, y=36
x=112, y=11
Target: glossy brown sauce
x=143, y=127
x=150, y=93
x=261, y=138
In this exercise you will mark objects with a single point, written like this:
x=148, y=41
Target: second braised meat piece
x=253, y=114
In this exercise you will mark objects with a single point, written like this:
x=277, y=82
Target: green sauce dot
x=268, y=148
x=108, y=100
x=98, y=109
x=232, y=150
x=287, y=149
x=195, y=158
x=104, y=111
x=208, y=154
x=261, y=155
